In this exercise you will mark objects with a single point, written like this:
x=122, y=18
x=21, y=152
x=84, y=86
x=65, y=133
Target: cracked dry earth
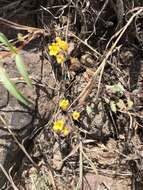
x=22, y=121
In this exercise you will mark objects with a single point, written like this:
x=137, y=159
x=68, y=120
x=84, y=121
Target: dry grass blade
x=18, y=26
x=97, y=54
x=8, y=177
x=80, y=183
x=90, y=163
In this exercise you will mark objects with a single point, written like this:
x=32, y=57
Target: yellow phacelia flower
x=65, y=131
x=59, y=50
x=58, y=125
x=64, y=104
x=60, y=128
x=54, y=49
x=60, y=58
x=62, y=44
x=75, y=115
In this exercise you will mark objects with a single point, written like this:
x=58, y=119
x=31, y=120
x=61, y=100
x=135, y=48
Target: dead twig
x=32, y=31
x=19, y=26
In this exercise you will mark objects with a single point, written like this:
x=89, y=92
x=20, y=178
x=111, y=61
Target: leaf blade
x=12, y=88
x=5, y=41
x=22, y=69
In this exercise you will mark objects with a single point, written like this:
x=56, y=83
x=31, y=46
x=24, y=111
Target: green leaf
x=12, y=88
x=116, y=88
x=113, y=106
x=5, y=41
x=88, y=110
x=22, y=69
x=130, y=103
x=121, y=104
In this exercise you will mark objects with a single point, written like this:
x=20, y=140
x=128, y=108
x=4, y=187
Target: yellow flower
x=65, y=131
x=54, y=49
x=64, y=104
x=58, y=40
x=58, y=125
x=60, y=58
x=75, y=115
x=62, y=44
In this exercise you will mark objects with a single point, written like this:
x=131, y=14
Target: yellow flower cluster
x=59, y=127
x=64, y=104
x=54, y=49
x=58, y=49
x=62, y=44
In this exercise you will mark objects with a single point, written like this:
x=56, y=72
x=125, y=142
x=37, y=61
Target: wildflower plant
x=59, y=49
x=60, y=127
x=8, y=84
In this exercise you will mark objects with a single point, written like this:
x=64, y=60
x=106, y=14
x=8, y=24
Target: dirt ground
x=102, y=77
